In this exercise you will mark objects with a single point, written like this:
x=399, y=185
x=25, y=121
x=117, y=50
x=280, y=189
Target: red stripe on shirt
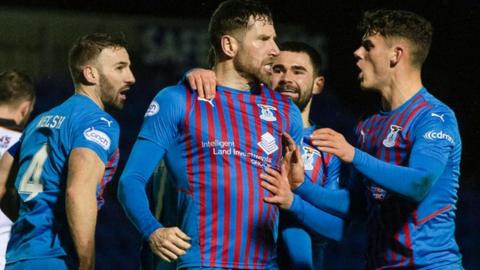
x=238, y=209
x=226, y=187
x=214, y=187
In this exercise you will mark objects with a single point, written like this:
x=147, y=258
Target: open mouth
x=360, y=73
x=287, y=91
x=123, y=93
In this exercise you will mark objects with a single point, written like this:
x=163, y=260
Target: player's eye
x=278, y=69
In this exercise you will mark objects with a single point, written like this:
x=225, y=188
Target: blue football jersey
x=41, y=230
x=303, y=246
x=402, y=232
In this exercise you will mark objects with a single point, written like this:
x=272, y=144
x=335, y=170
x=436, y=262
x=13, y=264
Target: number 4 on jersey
x=30, y=183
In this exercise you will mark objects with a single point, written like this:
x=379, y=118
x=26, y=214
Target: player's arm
x=6, y=163
x=167, y=243
x=159, y=131
x=8, y=172
x=331, y=198
x=93, y=143
x=85, y=171
x=335, y=201
x=201, y=80
x=277, y=183
x=427, y=162
x=315, y=219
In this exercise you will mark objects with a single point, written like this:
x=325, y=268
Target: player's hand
x=169, y=243
x=278, y=185
x=330, y=141
x=292, y=162
x=203, y=81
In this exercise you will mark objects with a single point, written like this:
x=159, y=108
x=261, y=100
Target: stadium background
x=166, y=38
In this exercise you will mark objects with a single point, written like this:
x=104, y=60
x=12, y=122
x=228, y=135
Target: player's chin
x=118, y=103
x=264, y=76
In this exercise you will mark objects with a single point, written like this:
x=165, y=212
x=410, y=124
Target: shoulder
x=437, y=112
x=174, y=92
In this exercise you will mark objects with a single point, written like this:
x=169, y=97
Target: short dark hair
x=403, y=24
x=87, y=48
x=302, y=47
x=15, y=86
x=232, y=15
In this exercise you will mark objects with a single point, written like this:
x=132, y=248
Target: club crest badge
x=267, y=112
x=389, y=141
x=308, y=157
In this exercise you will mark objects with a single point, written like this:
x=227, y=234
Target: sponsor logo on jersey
x=266, y=112
x=268, y=143
x=98, y=137
x=389, y=141
x=438, y=135
x=308, y=157
x=152, y=109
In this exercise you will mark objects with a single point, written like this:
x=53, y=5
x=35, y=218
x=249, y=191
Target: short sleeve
x=99, y=133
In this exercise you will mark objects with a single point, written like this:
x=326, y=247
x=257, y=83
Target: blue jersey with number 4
x=41, y=230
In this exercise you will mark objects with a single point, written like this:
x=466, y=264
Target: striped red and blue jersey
x=321, y=168
x=303, y=246
x=216, y=150
x=41, y=230
x=405, y=233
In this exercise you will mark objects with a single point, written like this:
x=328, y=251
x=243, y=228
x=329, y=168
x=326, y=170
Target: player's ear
x=90, y=74
x=396, y=55
x=318, y=84
x=24, y=109
x=229, y=45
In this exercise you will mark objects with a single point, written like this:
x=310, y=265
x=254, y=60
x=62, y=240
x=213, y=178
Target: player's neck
x=9, y=113
x=306, y=114
x=228, y=76
x=90, y=92
x=400, y=90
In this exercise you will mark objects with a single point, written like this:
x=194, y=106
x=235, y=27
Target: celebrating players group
x=241, y=178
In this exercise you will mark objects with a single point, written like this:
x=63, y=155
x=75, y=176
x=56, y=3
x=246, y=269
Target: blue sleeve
x=99, y=133
x=315, y=219
x=335, y=201
x=294, y=240
x=333, y=173
x=296, y=124
x=434, y=139
x=159, y=131
x=131, y=187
